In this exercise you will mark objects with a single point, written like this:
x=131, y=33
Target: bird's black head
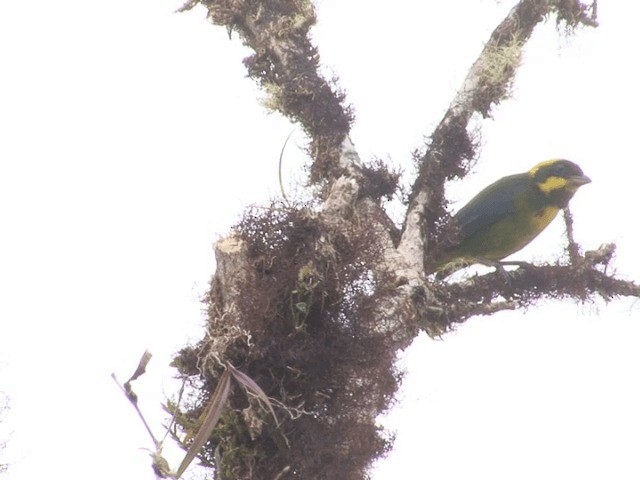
x=558, y=180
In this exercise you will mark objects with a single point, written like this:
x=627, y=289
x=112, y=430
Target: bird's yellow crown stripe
x=546, y=163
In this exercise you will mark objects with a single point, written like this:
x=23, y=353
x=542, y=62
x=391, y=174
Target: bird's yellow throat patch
x=544, y=217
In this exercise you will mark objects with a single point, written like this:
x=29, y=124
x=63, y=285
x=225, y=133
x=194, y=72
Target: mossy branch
x=285, y=64
x=584, y=279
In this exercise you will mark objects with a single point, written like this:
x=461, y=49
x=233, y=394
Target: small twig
x=133, y=398
x=188, y=5
x=135, y=405
x=159, y=464
x=284, y=145
x=572, y=247
x=175, y=412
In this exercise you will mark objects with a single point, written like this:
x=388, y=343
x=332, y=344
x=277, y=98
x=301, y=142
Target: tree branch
x=581, y=280
x=285, y=64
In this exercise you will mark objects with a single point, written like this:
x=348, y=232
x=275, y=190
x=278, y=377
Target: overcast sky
x=130, y=141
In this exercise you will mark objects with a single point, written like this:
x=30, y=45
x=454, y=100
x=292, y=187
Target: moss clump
x=302, y=328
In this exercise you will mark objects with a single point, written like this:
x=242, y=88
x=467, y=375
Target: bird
x=508, y=214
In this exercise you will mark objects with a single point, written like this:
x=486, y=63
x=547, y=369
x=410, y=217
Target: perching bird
x=505, y=216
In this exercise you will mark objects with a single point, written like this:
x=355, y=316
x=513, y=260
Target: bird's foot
x=499, y=266
x=516, y=263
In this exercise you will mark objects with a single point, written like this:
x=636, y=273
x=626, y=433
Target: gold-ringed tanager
x=508, y=214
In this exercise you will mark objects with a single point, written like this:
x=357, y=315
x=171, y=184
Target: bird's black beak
x=579, y=180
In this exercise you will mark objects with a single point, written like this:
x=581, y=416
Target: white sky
x=130, y=141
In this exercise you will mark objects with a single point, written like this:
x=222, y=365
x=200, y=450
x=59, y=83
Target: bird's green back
x=501, y=219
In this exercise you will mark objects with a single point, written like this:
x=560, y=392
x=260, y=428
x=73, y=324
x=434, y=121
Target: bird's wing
x=492, y=204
